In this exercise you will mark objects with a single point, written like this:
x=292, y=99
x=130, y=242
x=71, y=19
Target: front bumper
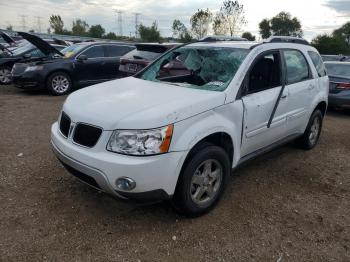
x=341, y=99
x=30, y=81
x=155, y=176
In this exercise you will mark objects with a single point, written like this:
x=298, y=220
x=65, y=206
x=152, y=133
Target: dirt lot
x=289, y=205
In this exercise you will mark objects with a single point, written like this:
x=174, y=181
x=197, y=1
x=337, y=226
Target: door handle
x=284, y=96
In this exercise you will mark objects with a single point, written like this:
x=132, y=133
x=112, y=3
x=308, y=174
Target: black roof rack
x=219, y=38
x=287, y=39
x=283, y=39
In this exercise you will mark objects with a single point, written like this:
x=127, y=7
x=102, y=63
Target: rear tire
x=202, y=180
x=5, y=75
x=313, y=131
x=59, y=83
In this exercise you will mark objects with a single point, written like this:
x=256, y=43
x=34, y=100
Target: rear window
x=318, y=63
x=115, y=50
x=338, y=69
x=144, y=55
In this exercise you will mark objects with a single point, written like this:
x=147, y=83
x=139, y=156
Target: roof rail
x=218, y=38
x=286, y=39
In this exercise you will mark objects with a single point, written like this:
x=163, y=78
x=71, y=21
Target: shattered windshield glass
x=200, y=67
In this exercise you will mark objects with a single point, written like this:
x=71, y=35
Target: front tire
x=313, y=131
x=202, y=180
x=59, y=83
x=5, y=75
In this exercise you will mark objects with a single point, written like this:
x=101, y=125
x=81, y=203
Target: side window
x=115, y=50
x=36, y=53
x=297, y=66
x=318, y=63
x=94, y=52
x=265, y=73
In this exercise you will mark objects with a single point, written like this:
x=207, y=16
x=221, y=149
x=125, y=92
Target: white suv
x=176, y=129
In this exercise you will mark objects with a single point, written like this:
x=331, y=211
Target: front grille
x=85, y=178
x=86, y=135
x=65, y=124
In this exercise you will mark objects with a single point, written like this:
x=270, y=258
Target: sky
x=316, y=16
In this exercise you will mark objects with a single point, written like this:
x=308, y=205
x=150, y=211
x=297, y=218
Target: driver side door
x=90, y=70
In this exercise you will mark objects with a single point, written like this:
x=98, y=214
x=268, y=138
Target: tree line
x=229, y=20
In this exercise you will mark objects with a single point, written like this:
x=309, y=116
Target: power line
x=119, y=21
x=38, y=20
x=23, y=22
x=137, y=15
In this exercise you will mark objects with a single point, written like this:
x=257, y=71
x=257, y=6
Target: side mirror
x=27, y=56
x=82, y=58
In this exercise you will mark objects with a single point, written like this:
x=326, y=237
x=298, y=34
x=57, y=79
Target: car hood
x=43, y=46
x=132, y=103
x=8, y=39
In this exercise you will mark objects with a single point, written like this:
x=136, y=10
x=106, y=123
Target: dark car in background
x=25, y=52
x=334, y=58
x=79, y=65
x=339, y=83
x=142, y=56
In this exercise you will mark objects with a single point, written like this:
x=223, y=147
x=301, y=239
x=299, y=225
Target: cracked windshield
x=197, y=67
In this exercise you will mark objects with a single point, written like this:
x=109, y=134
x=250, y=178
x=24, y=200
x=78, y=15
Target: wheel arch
x=322, y=106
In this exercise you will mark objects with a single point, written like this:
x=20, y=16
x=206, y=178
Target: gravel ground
x=288, y=205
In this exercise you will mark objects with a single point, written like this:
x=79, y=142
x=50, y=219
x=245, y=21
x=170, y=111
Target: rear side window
x=318, y=63
x=115, y=50
x=338, y=69
x=36, y=53
x=94, y=52
x=297, y=66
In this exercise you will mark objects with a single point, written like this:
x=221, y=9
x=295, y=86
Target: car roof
x=252, y=44
x=233, y=44
x=103, y=43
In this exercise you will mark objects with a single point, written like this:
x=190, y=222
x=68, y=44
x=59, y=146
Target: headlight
x=141, y=142
x=33, y=68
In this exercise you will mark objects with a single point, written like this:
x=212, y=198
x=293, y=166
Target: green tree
x=96, y=31
x=56, y=23
x=282, y=24
x=331, y=45
x=180, y=32
x=265, y=28
x=343, y=32
x=9, y=27
x=218, y=26
x=111, y=36
x=200, y=22
x=149, y=34
x=80, y=27
x=230, y=18
x=249, y=36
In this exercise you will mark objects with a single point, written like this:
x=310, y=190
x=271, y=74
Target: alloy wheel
x=60, y=84
x=5, y=76
x=206, y=182
x=314, y=130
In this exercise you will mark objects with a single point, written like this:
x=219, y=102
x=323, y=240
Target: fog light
x=125, y=183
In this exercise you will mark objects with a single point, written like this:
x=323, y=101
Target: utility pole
x=23, y=22
x=38, y=20
x=119, y=20
x=137, y=15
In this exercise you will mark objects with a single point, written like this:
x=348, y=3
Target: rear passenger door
x=301, y=88
x=112, y=62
